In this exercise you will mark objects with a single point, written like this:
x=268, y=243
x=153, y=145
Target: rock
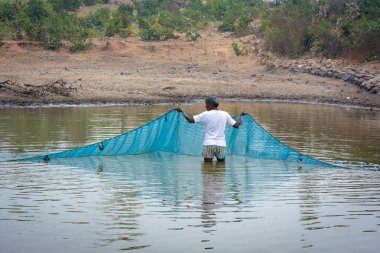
x=372, y=85
x=322, y=73
x=366, y=80
x=338, y=75
x=270, y=66
x=345, y=77
x=169, y=88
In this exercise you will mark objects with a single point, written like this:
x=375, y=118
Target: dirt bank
x=130, y=70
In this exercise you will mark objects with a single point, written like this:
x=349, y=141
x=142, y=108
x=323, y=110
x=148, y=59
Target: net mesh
x=172, y=133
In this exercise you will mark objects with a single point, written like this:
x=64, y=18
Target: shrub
x=36, y=10
x=7, y=11
x=197, y=14
x=89, y=2
x=98, y=19
x=236, y=48
x=125, y=9
x=111, y=23
x=65, y=5
x=76, y=32
x=55, y=32
x=326, y=40
x=192, y=35
x=286, y=35
x=156, y=27
x=365, y=35
x=79, y=46
x=235, y=15
x=242, y=49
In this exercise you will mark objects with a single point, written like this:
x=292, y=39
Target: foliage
x=237, y=49
x=78, y=33
x=192, y=35
x=326, y=41
x=89, y=2
x=7, y=11
x=235, y=15
x=340, y=27
x=195, y=16
x=155, y=20
x=55, y=32
x=111, y=23
x=156, y=27
x=365, y=35
x=65, y=5
x=337, y=27
x=286, y=35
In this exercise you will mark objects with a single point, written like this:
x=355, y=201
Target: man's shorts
x=214, y=150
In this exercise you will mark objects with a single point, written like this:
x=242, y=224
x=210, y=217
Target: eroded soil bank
x=132, y=71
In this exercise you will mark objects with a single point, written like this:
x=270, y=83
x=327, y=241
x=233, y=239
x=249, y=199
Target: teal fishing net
x=172, y=133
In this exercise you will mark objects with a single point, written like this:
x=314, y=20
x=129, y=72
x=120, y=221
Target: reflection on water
x=212, y=177
x=163, y=202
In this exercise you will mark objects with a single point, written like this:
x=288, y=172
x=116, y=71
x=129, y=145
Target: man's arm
x=188, y=117
x=238, y=121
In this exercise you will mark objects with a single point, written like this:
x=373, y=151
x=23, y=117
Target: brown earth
x=132, y=71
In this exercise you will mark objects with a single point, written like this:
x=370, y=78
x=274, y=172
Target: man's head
x=211, y=103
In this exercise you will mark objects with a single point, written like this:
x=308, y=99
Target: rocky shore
x=369, y=80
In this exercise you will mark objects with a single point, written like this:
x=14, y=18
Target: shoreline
x=133, y=72
x=191, y=102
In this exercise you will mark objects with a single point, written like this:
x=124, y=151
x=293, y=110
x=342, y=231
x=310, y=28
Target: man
x=215, y=124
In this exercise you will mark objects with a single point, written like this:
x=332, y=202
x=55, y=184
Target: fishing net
x=172, y=133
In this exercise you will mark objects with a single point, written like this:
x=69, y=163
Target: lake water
x=163, y=202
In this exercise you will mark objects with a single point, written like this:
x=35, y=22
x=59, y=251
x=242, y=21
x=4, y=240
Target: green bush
x=236, y=48
x=326, y=40
x=89, y=2
x=76, y=32
x=365, y=37
x=55, y=32
x=286, y=35
x=98, y=19
x=192, y=35
x=196, y=15
x=79, y=46
x=156, y=27
x=125, y=9
x=234, y=15
x=65, y=5
x=8, y=11
x=109, y=23
x=36, y=10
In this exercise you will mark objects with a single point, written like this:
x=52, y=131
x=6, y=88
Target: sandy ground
x=133, y=71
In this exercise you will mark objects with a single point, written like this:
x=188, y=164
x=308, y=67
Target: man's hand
x=238, y=121
x=188, y=117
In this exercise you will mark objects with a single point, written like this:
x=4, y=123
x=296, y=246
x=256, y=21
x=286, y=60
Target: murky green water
x=169, y=203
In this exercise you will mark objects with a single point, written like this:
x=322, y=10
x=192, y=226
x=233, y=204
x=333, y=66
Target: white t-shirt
x=216, y=122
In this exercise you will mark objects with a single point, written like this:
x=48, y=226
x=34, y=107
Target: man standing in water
x=215, y=120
